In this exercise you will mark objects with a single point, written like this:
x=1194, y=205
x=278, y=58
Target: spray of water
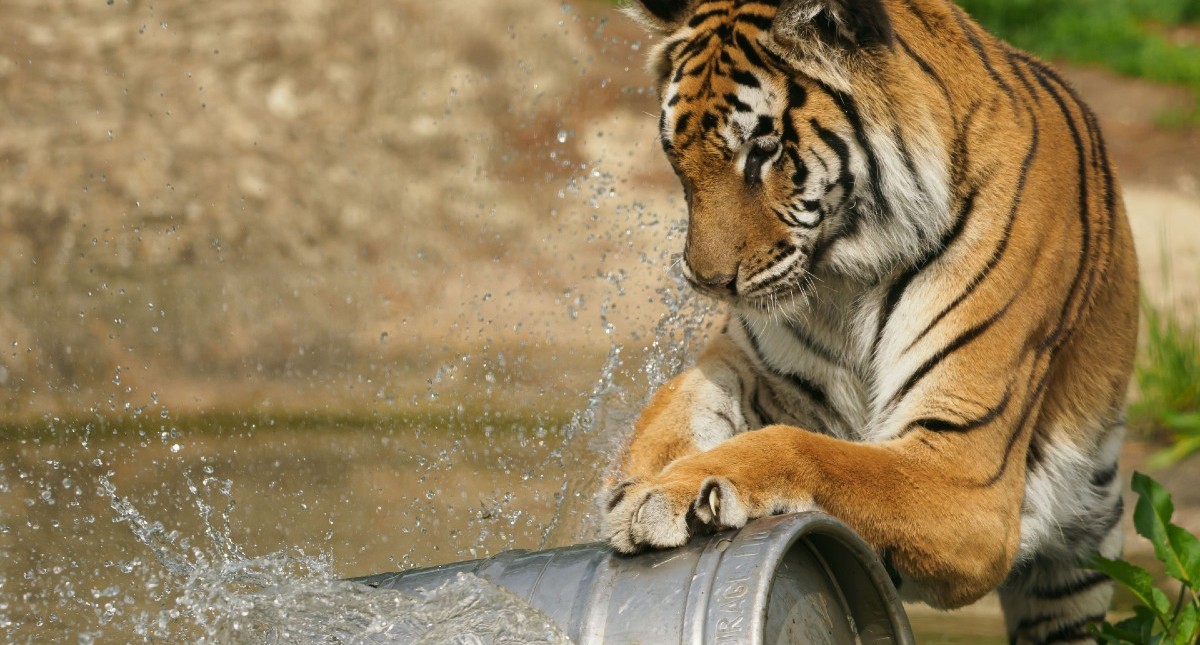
x=187, y=568
x=217, y=594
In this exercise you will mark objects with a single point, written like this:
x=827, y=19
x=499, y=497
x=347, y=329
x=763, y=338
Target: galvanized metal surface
x=803, y=578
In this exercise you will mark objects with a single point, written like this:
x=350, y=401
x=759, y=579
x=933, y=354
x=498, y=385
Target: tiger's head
x=760, y=123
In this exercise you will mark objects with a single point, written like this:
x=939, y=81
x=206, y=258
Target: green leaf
x=1107, y=635
x=1187, y=546
x=1145, y=622
x=1127, y=631
x=1178, y=549
x=1187, y=626
x=1138, y=581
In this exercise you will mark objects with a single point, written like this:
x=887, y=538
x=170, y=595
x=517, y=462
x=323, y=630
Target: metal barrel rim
x=727, y=581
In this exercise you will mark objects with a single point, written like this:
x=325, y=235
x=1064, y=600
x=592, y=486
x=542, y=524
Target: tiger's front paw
x=665, y=511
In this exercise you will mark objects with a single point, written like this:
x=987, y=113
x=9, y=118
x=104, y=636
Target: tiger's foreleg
x=691, y=413
x=904, y=497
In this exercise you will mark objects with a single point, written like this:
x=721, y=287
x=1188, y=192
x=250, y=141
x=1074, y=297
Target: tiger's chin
x=780, y=302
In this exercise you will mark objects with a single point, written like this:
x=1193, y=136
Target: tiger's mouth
x=766, y=290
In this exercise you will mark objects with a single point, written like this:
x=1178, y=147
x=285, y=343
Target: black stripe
x=937, y=424
x=1102, y=478
x=797, y=95
x=910, y=164
x=737, y=103
x=962, y=340
x=961, y=146
x=762, y=22
x=912, y=8
x=771, y=280
x=749, y=50
x=724, y=416
x=1002, y=246
x=681, y=124
x=744, y=77
x=928, y=69
x=800, y=171
x=850, y=109
x=807, y=387
x=757, y=408
x=776, y=59
x=1026, y=624
x=1110, y=521
x=1033, y=455
x=1032, y=401
x=788, y=218
x=896, y=292
x=977, y=45
x=663, y=65
x=849, y=228
x=694, y=47
x=668, y=52
x=1063, y=326
x=811, y=344
x=842, y=150
x=1073, y=630
x=1099, y=150
x=764, y=127
x=960, y=149
x=699, y=18
x=1089, y=581
x=1013, y=57
x=1099, y=161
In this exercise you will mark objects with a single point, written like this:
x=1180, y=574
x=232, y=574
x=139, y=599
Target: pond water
x=124, y=535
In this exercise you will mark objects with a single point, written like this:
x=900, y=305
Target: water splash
x=214, y=593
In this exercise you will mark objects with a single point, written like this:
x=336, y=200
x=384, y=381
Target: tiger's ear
x=662, y=16
x=851, y=24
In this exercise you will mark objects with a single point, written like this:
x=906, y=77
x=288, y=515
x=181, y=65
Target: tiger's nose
x=720, y=283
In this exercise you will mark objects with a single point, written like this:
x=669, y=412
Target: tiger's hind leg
x=1053, y=598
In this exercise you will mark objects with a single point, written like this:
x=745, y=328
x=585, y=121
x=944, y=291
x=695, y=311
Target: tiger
x=930, y=294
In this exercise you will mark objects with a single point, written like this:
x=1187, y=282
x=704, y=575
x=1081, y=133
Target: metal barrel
x=803, y=578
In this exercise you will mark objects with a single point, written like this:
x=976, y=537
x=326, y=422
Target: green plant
x=1168, y=380
x=1126, y=35
x=1156, y=619
x=1133, y=37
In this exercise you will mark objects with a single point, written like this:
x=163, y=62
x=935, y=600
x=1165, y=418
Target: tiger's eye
x=758, y=155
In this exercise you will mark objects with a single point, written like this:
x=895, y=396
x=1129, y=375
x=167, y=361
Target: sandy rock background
x=306, y=204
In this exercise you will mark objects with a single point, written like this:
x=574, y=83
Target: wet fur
x=933, y=301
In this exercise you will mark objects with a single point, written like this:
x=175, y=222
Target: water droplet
x=562, y=136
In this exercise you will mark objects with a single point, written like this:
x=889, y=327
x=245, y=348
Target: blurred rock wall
x=234, y=192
